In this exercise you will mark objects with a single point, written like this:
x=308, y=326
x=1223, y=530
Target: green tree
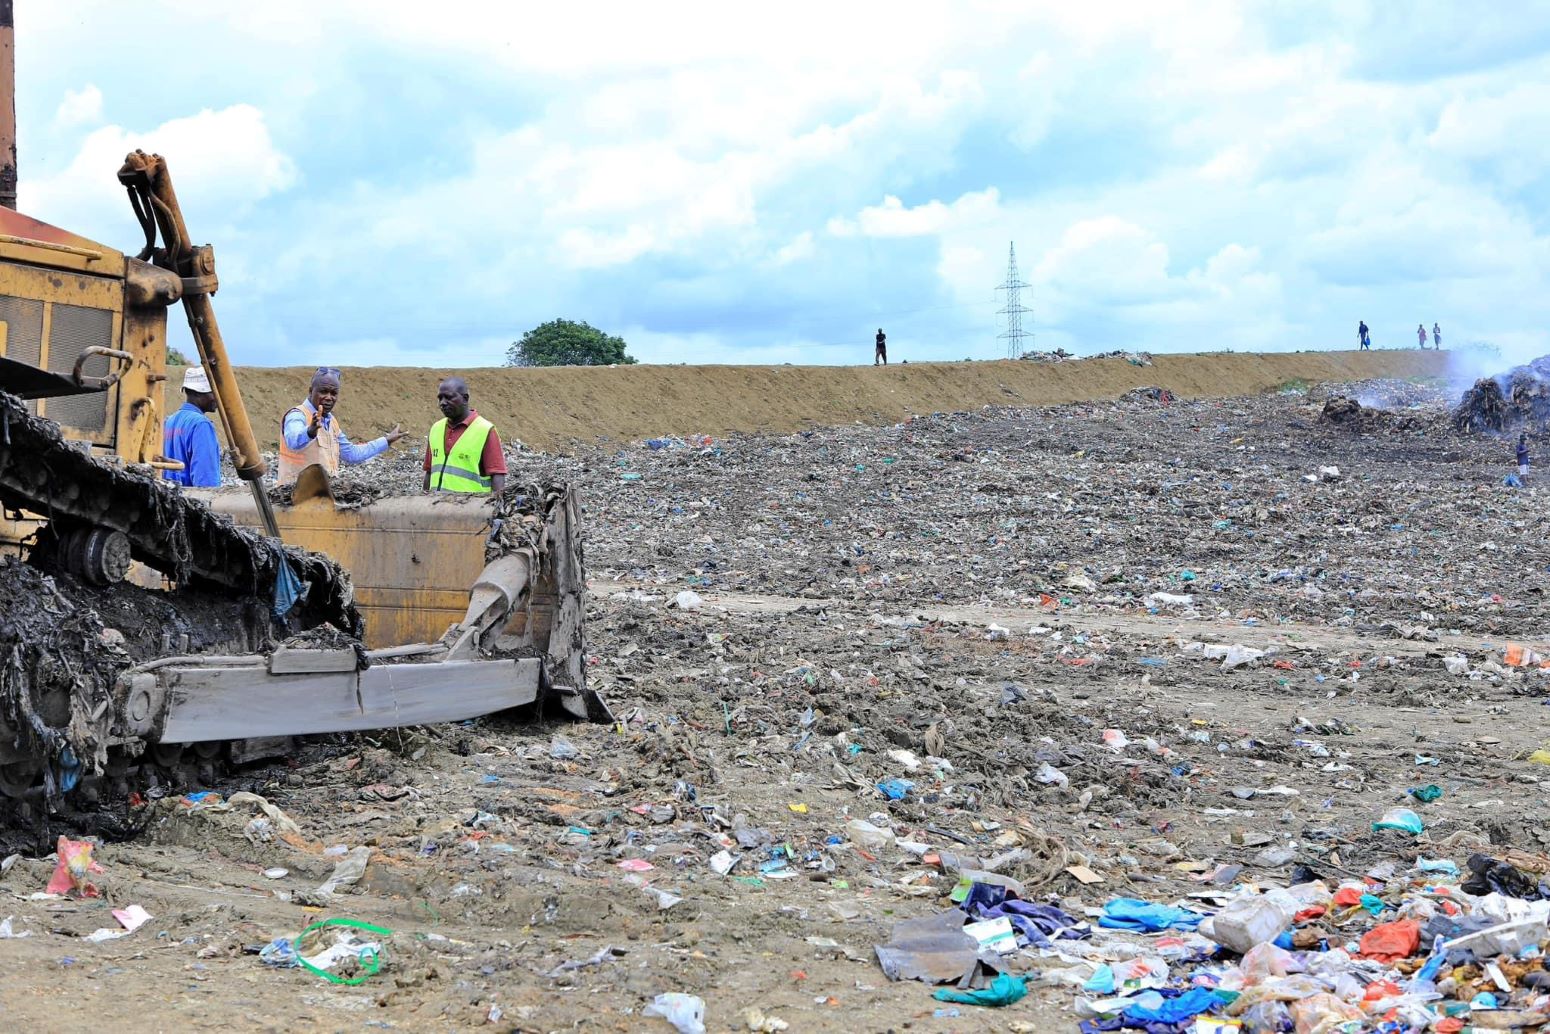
x=176, y=358
x=567, y=343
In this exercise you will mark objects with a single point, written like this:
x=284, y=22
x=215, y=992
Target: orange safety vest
x=323, y=450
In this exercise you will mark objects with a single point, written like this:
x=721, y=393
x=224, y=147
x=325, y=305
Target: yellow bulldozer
x=404, y=611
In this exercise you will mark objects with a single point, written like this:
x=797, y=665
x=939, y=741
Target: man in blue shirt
x=188, y=436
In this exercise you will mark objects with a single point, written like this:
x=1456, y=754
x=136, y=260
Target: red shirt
x=491, y=461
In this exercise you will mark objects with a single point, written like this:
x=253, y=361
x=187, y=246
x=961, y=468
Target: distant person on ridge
x=882, y=348
x=1523, y=458
x=1437, y=337
x=1361, y=332
x=1420, y=336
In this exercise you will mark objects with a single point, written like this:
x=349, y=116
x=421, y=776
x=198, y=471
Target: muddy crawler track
x=63, y=645
x=182, y=538
x=63, y=642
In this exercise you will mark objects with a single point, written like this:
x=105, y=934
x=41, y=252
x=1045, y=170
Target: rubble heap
x=1351, y=415
x=1518, y=398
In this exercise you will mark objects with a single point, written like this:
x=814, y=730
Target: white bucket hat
x=194, y=379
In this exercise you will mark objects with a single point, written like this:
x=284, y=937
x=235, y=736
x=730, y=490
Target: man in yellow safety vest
x=464, y=452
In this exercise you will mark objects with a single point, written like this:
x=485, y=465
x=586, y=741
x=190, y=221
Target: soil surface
x=562, y=408
x=968, y=602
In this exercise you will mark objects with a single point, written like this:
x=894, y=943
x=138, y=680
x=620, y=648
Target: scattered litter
x=347, y=871
x=73, y=868
x=685, y=1012
x=347, y=944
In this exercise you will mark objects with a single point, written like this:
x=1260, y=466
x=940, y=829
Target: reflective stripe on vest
x=459, y=472
x=323, y=449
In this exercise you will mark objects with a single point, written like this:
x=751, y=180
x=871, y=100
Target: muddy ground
x=965, y=602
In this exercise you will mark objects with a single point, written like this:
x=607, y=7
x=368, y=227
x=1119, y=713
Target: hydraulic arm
x=146, y=178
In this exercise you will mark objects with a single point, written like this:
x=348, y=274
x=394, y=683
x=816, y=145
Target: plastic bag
x=1402, y=819
x=1238, y=655
x=1004, y=990
x=1251, y=919
x=1323, y=1011
x=1267, y=960
x=864, y=834
x=1390, y=942
x=1146, y=917
x=685, y=1012
x=1169, y=599
x=72, y=869
x=287, y=586
x=347, y=945
x=347, y=870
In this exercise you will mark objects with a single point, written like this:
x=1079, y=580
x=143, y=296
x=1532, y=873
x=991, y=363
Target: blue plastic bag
x=1146, y=917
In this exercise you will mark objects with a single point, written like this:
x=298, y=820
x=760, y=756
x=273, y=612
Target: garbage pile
x=1097, y=506
x=1349, y=414
x=1405, y=948
x=1060, y=355
x=1151, y=393
x=1200, y=717
x=1518, y=398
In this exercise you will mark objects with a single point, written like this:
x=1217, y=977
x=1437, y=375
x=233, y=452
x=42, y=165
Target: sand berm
x=554, y=409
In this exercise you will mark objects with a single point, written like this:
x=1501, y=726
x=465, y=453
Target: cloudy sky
x=411, y=183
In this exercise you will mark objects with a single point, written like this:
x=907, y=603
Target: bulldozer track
x=60, y=657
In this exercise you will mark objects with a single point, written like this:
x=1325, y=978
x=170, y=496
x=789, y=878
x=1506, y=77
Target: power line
x=1014, y=307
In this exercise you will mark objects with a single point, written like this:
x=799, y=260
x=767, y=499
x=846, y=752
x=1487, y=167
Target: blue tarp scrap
x=1147, y=917
x=1039, y=924
x=1174, y=1014
x=287, y=587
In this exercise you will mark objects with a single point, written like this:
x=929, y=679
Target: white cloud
x=893, y=219
x=800, y=247
x=742, y=186
x=1509, y=131
x=1106, y=260
x=221, y=162
x=79, y=107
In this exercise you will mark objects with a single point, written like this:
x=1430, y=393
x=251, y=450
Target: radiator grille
x=71, y=329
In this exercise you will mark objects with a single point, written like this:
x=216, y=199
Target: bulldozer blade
x=412, y=559
x=249, y=701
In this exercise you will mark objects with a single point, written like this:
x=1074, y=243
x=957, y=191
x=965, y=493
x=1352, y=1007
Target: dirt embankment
x=554, y=408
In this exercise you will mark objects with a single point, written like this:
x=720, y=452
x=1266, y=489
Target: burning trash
x=1519, y=396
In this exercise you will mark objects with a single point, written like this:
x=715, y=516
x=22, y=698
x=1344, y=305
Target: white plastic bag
x=1250, y=920
x=864, y=834
x=685, y=1012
